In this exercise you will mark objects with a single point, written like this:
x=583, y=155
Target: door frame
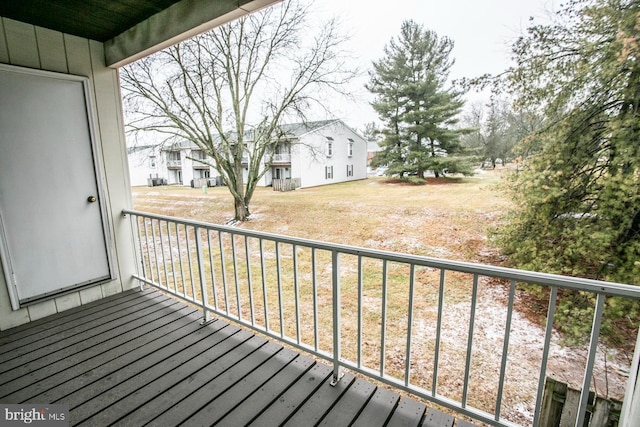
x=5, y=254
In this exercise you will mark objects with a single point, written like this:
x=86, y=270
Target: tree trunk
x=241, y=210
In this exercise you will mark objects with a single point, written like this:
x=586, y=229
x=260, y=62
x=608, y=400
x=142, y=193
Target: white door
x=52, y=228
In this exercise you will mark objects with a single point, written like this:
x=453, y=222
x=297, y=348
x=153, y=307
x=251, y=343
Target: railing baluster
x=190, y=262
x=360, y=286
x=335, y=286
x=235, y=274
x=164, y=258
x=183, y=281
x=296, y=292
x=436, y=358
x=213, y=272
x=203, y=288
x=137, y=248
x=383, y=320
x=314, y=285
x=279, y=276
x=545, y=353
x=505, y=348
x=223, y=265
x=407, y=366
x=249, y=284
x=155, y=249
x=173, y=265
x=265, y=300
x=472, y=317
x=146, y=239
x=591, y=358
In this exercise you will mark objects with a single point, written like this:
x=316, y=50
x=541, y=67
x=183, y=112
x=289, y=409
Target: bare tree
x=229, y=90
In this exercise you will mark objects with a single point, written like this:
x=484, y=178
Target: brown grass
x=445, y=221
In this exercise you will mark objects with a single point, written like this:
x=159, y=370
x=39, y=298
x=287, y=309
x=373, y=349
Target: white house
x=312, y=154
x=146, y=165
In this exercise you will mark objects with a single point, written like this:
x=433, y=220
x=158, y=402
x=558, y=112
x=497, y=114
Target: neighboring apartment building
x=145, y=164
x=314, y=153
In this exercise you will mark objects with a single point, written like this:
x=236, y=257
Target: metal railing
x=174, y=163
x=281, y=158
x=366, y=310
x=288, y=184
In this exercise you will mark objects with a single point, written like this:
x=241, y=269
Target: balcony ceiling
x=99, y=20
x=129, y=29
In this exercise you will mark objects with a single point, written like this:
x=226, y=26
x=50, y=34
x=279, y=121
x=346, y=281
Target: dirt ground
x=445, y=219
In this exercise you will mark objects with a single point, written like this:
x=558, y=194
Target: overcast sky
x=482, y=31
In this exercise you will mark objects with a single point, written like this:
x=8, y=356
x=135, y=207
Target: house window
x=152, y=161
x=328, y=172
x=350, y=147
x=329, y=146
x=349, y=170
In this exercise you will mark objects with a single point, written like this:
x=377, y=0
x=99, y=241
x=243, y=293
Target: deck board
x=142, y=358
x=41, y=362
x=263, y=397
x=379, y=408
x=69, y=369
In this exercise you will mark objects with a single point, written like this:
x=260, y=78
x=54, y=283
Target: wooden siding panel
x=78, y=57
x=114, y=155
x=43, y=309
x=51, y=50
x=21, y=43
x=68, y=301
x=8, y=317
x=91, y=294
x=4, y=51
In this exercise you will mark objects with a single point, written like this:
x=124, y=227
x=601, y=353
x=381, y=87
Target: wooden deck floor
x=142, y=358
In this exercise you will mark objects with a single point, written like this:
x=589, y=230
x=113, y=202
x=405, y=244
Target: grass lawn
x=447, y=218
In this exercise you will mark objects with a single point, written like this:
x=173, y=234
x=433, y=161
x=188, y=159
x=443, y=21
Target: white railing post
x=591, y=358
x=335, y=284
x=551, y=311
x=203, y=289
x=630, y=414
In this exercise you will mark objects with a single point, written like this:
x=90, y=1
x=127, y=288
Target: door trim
x=5, y=255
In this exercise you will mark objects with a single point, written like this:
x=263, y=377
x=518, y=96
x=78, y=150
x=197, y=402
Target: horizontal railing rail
x=367, y=310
